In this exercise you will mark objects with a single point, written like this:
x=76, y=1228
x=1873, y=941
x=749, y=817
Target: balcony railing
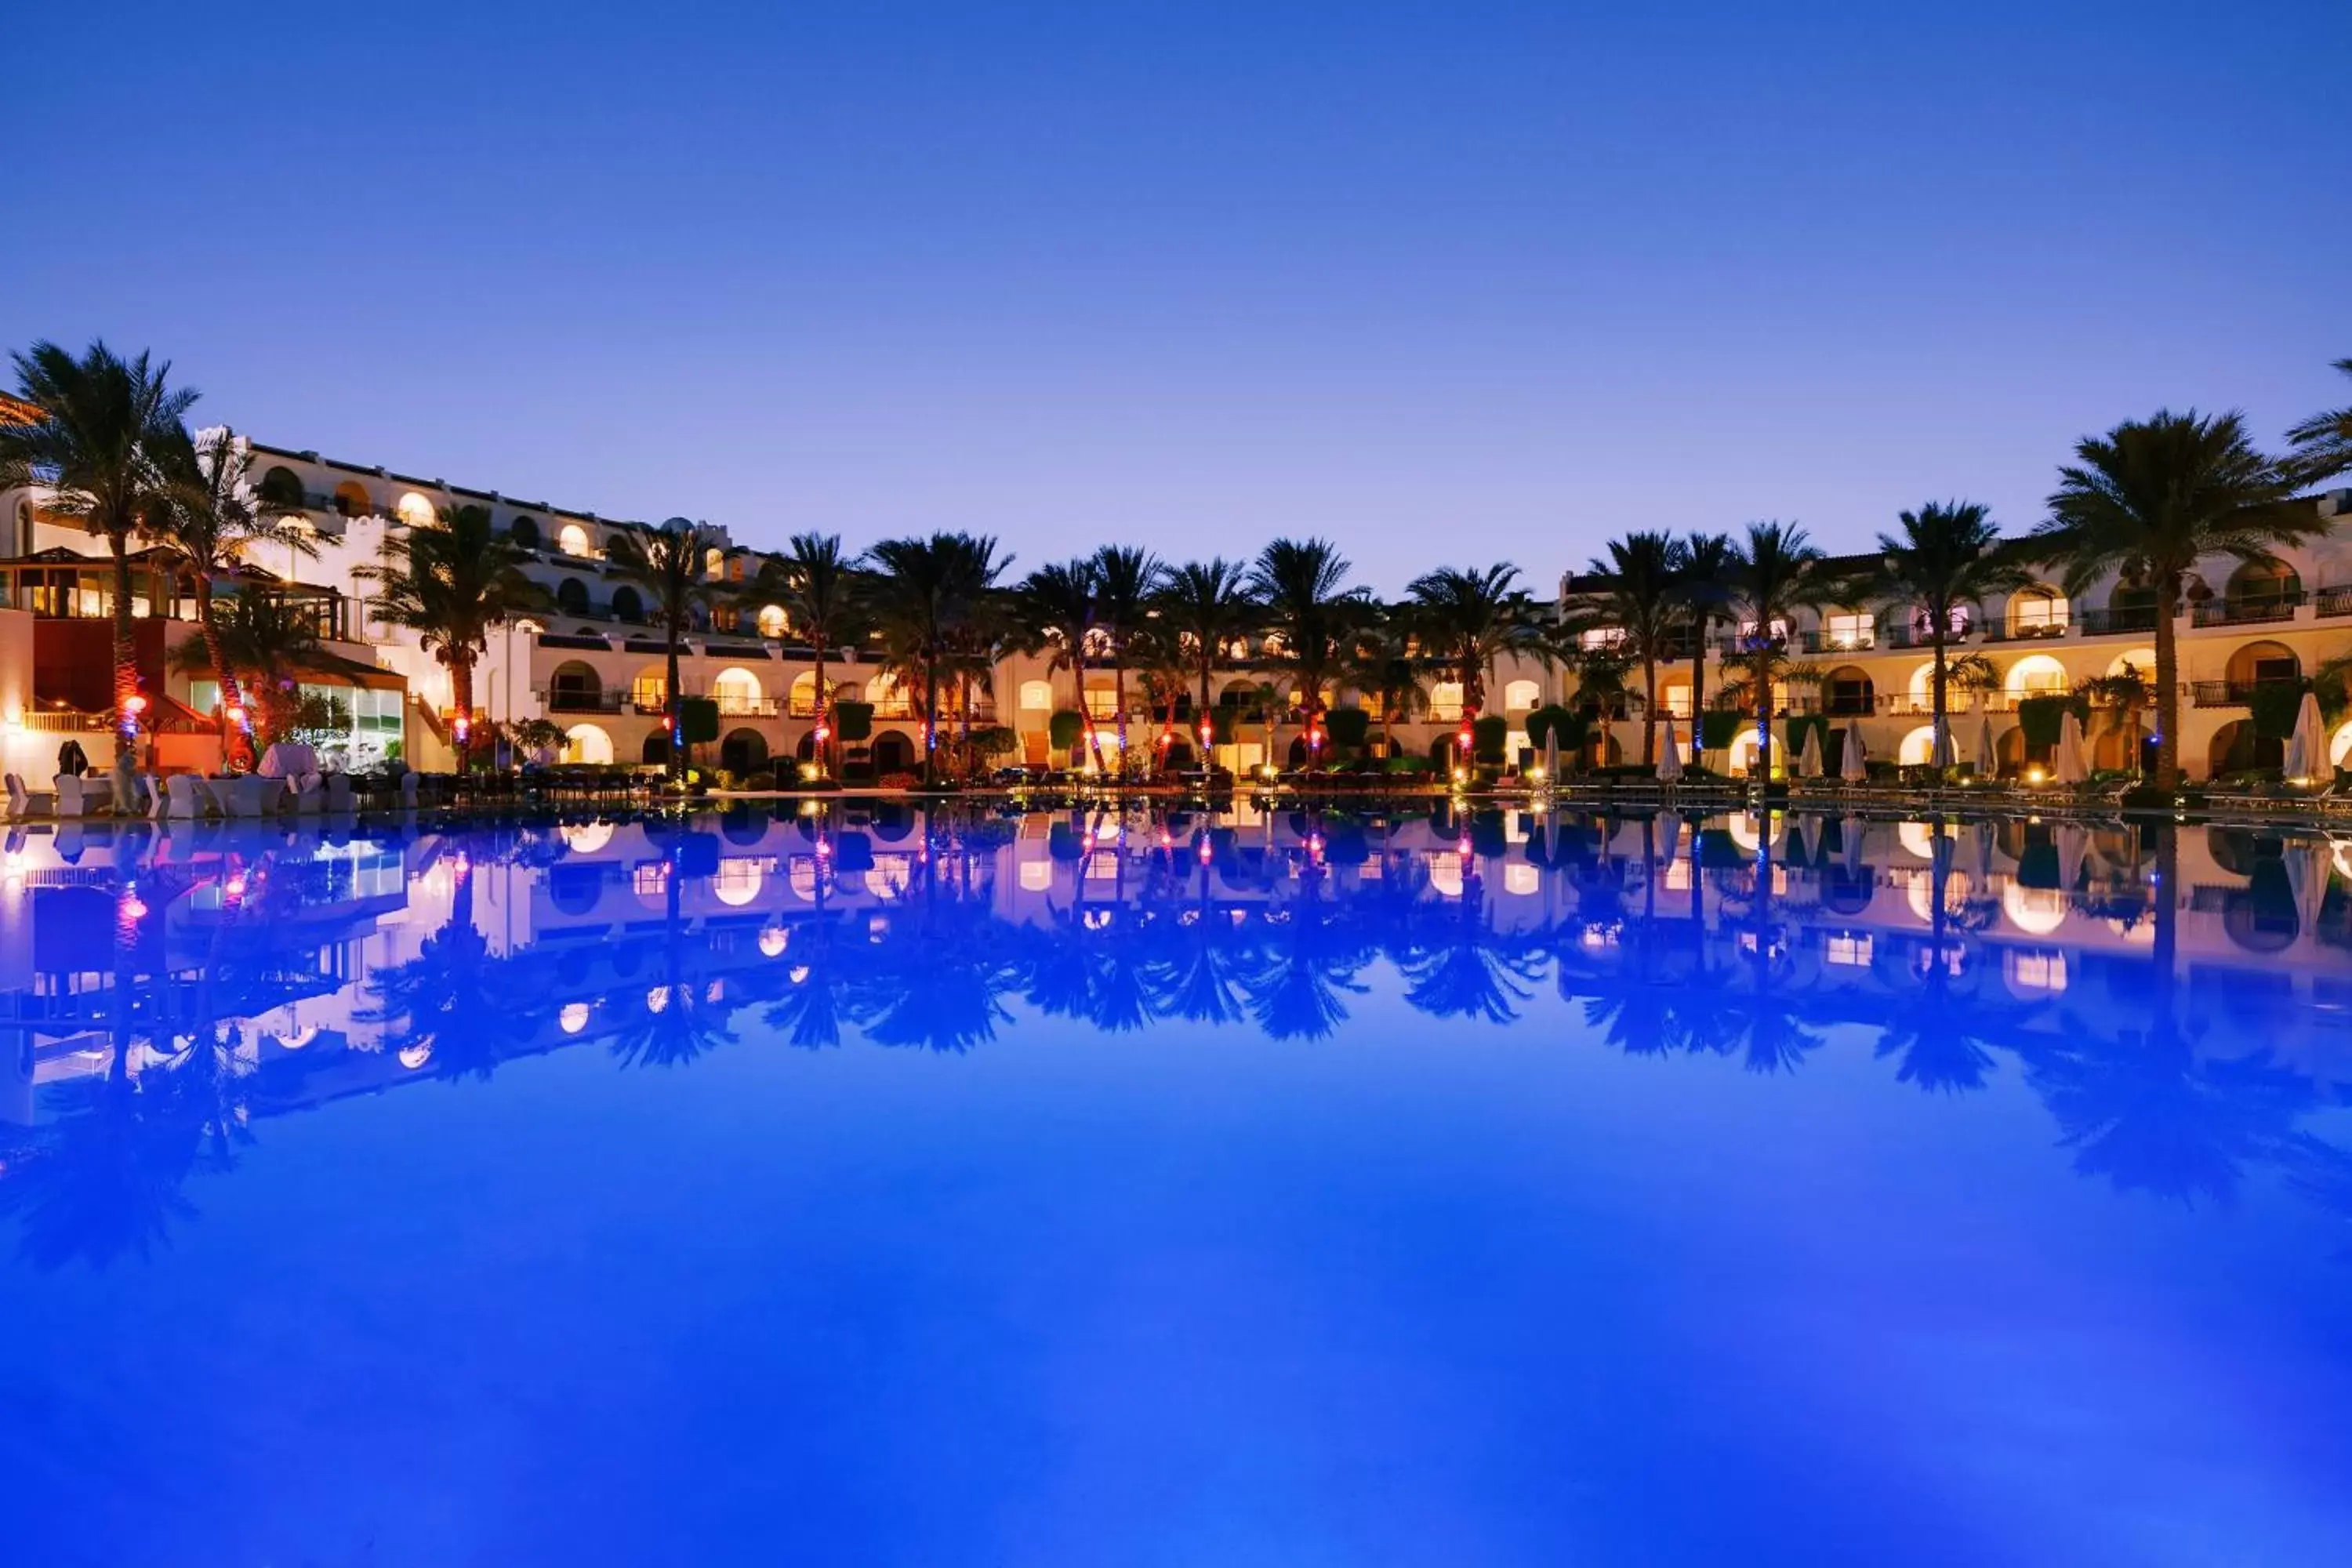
x=2107, y=622
x=578, y=702
x=1837, y=642
x=2331, y=602
x=2024, y=631
x=2224, y=693
x=2251, y=611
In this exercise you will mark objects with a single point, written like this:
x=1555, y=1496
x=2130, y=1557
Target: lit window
x=2043, y=614
x=1850, y=950
x=1851, y=628
x=772, y=622
x=1601, y=639
x=2038, y=970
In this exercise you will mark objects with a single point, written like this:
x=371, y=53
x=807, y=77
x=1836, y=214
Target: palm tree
x=1466, y=619
x=1639, y=598
x=2324, y=442
x=1382, y=668
x=933, y=588
x=1303, y=584
x=265, y=643
x=1207, y=605
x=1705, y=560
x=815, y=584
x=100, y=446
x=1774, y=573
x=1125, y=579
x=1056, y=606
x=453, y=582
x=214, y=517
x=2149, y=499
x=681, y=566
x=1948, y=559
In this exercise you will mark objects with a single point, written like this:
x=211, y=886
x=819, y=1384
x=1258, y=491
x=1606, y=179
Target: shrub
x=698, y=719
x=1718, y=727
x=1486, y=737
x=1063, y=729
x=1573, y=728
x=853, y=721
x=899, y=780
x=1348, y=726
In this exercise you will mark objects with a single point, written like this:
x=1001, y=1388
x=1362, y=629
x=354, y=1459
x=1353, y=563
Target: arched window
x=574, y=541
x=772, y=624
x=281, y=487
x=524, y=531
x=415, y=510
x=2037, y=613
x=650, y=691
x=1919, y=747
x=1037, y=696
x=574, y=687
x=587, y=744
x=1848, y=691
x=1519, y=696
x=572, y=597
x=628, y=605
x=2035, y=675
x=737, y=690
x=352, y=499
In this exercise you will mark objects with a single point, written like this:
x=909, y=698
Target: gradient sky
x=1445, y=281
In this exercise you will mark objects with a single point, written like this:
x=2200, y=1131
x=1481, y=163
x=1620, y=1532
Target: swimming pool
x=1066, y=1188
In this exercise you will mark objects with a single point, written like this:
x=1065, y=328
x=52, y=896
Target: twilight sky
x=1445, y=281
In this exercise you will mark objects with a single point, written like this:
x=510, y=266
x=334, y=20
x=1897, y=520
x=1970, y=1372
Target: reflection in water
x=2175, y=998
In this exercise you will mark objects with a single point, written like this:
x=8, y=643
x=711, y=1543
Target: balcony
x=2329, y=603
x=2135, y=618
x=1837, y=642
x=2025, y=631
x=2245, y=612
x=574, y=700
x=2223, y=693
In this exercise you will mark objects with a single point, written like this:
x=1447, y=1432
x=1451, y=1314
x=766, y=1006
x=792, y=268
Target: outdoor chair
x=308, y=793
x=248, y=795
x=152, y=788
x=23, y=802
x=80, y=795
x=338, y=788
x=186, y=798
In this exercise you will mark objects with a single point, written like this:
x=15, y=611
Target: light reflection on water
x=2178, y=1002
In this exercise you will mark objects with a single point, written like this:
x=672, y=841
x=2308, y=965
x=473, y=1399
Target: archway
x=628, y=605
x=737, y=690
x=2256, y=662
x=2259, y=587
x=1847, y=691
x=524, y=531
x=2238, y=747
x=1918, y=749
x=773, y=622
x=575, y=687
x=415, y=510
x=2035, y=675
x=352, y=499
x=1521, y=696
x=2037, y=612
x=574, y=541
x=282, y=486
x=587, y=744
x=572, y=597
x=655, y=750
x=894, y=752
x=743, y=751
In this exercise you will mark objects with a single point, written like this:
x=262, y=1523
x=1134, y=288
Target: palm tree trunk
x=673, y=709
x=963, y=724
x=461, y=696
x=1762, y=676
x=224, y=676
x=1699, y=697
x=822, y=752
x=1649, y=710
x=931, y=717
x=126, y=664
x=2168, y=686
x=1118, y=700
x=1936, y=698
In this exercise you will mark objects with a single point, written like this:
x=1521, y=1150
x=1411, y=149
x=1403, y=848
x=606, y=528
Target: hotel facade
x=593, y=664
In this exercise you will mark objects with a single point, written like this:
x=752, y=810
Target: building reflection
x=2179, y=999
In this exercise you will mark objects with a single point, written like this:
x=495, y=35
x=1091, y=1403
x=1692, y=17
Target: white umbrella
x=1850, y=833
x=2073, y=852
x=2066, y=763
x=1808, y=761
x=1670, y=758
x=1946, y=752
x=1853, y=768
x=2309, y=862
x=1986, y=760
x=2302, y=746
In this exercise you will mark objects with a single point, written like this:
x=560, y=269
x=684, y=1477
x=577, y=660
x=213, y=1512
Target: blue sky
x=1445, y=282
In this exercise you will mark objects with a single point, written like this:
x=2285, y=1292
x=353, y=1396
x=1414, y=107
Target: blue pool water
x=1055, y=1189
